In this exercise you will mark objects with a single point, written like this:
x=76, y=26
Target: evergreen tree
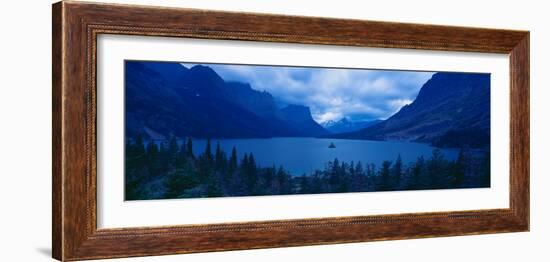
x=485, y=180
x=251, y=163
x=397, y=172
x=436, y=170
x=242, y=175
x=218, y=157
x=152, y=150
x=164, y=158
x=370, y=177
x=181, y=156
x=208, y=151
x=359, y=168
x=173, y=147
x=344, y=178
x=251, y=175
x=136, y=168
x=213, y=187
x=268, y=179
x=384, y=177
x=153, y=158
x=139, y=147
x=304, y=185
x=180, y=181
x=233, y=160
x=189, y=145
x=334, y=178
x=284, y=182
x=358, y=182
x=244, y=162
x=212, y=174
x=459, y=170
x=417, y=177
x=316, y=183
x=206, y=168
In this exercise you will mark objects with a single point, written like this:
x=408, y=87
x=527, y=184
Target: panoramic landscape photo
x=195, y=130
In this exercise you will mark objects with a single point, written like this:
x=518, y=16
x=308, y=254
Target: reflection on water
x=303, y=155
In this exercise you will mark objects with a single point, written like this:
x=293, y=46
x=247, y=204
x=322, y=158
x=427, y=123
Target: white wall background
x=25, y=147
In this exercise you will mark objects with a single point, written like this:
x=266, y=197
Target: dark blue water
x=303, y=155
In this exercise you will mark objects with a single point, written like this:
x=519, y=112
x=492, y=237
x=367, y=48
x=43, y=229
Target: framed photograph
x=181, y=130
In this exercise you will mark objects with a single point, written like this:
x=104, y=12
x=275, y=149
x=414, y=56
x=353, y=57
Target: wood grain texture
x=76, y=26
x=519, y=129
x=57, y=195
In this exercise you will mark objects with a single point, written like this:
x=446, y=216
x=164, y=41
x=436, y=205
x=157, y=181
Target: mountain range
x=451, y=110
x=165, y=99
x=346, y=125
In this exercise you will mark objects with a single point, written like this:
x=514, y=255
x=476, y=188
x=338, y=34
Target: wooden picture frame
x=76, y=26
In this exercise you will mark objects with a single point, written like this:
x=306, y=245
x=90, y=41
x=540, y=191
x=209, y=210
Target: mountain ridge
x=163, y=99
x=346, y=125
x=448, y=105
x=170, y=99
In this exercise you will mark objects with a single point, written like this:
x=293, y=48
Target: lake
x=301, y=155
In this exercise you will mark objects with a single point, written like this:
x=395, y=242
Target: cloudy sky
x=329, y=92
